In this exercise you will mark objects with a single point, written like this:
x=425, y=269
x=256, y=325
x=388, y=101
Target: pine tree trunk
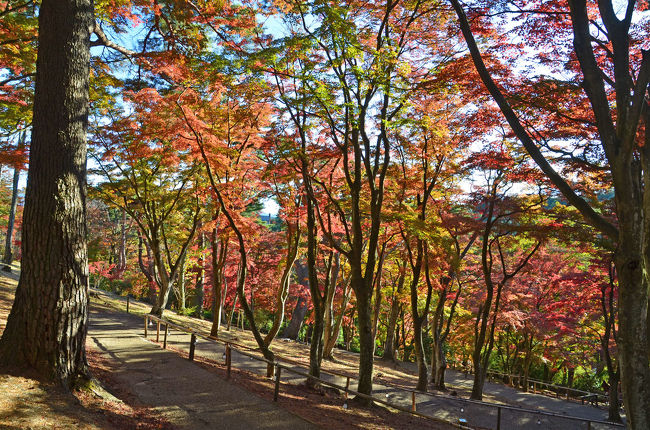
x=47, y=326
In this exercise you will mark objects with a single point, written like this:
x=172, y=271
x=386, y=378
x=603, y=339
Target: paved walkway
x=448, y=408
x=477, y=414
x=186, y=394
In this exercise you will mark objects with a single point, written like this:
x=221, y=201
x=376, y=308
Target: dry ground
x=26, y=402
x=29, y=403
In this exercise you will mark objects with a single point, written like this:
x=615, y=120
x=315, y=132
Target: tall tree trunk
x=47, y=326
x=121, y=253
x=438, y=365
x=232, y=312
x=366, y=346
x=613, y=411
x=182, y=291
x=334, y=336
x=297, y=317
x=389, y=343
x=293, y=241
x=318, y=301
x=330, y=333
x=438, y=359
x=147, y=270
x=375, y=314
x=219, y=255
x=200, y=278
x=419, y=355
x=8, y=255
x=528, y=356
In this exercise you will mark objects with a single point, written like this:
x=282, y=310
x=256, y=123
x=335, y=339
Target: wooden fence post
x=413, y=401
x=165, y=338
x=192, y=346
x=228, y=360
x=146, y=320
x=278, y=369
x=127, y=304
x=157, y=331
x=498, y=418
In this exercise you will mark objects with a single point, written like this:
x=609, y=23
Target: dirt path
x=186, y=394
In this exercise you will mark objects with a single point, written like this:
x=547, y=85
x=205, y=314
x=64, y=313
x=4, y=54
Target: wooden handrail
x=347, y=390
x=548, y=384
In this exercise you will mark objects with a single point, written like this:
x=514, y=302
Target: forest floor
x=26, y=402
x=146, y=387
x=142, y=386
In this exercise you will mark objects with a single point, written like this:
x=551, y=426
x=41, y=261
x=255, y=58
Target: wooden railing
x=538, y=386
x=277, y=367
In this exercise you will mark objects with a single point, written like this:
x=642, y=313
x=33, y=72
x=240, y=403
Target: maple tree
x=362, y=122
x=614, y=72
x=501, y=216
x=156, y=189
x=358, y=68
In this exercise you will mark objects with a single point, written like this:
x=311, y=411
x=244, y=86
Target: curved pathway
x=186, y=394
x=449, y=408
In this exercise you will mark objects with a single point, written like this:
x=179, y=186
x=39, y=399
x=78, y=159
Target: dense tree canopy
x=457, y=182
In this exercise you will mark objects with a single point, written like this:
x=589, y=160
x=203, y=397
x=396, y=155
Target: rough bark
x=46, y=329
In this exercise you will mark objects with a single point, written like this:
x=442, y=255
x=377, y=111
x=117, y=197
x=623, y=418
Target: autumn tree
x=149, y=175
x=504, y=221
x=613, y=69
x=359, y=48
